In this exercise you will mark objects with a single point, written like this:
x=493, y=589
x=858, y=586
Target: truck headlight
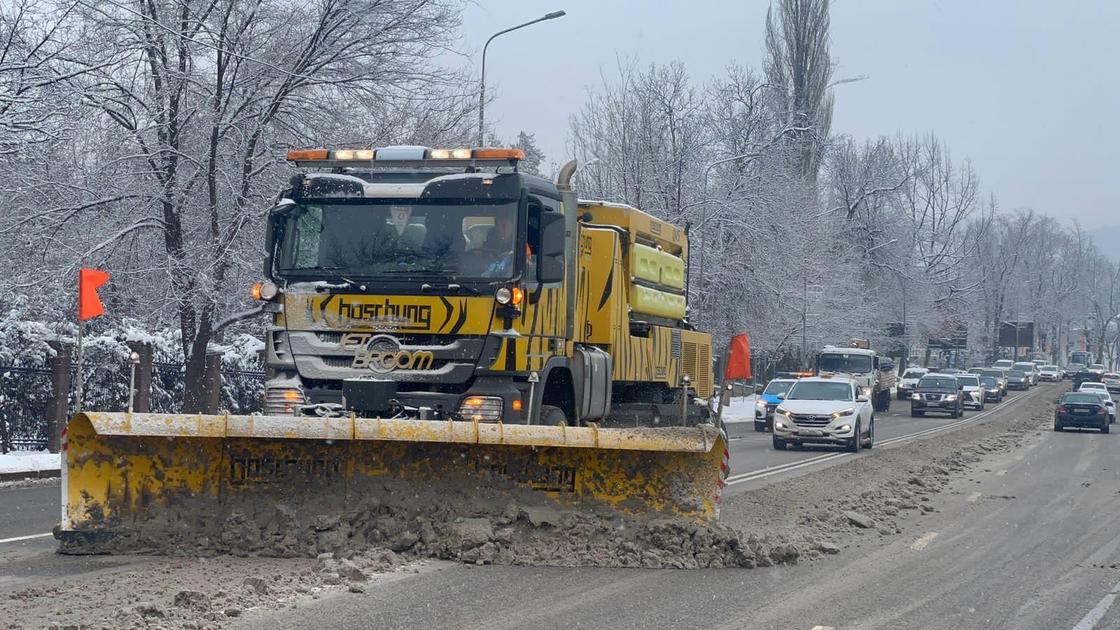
x=481, y=408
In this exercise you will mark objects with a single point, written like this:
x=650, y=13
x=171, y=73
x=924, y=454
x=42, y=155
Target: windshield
x=938, y=382
x=1096, y=366
x=1081, y=398
x=968, y=381
x=989, y=381
x=1026, y=367
x=778, y=387
x=850, y=363
x=401, y=239
x=1004, y=363
x=1099, y=386
x=914, y=374
x=1050, y=368
x=1016, y=373
x=816, y=390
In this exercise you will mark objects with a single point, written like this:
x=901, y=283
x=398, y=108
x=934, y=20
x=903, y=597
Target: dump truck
x=435, y=315
x=873, y=373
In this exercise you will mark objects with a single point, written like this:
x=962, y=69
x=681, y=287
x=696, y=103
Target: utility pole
x=804, y=317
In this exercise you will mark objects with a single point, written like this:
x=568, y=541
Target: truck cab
x=873, y=374
x=447, y=284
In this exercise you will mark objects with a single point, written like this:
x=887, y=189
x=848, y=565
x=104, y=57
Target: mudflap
x=157, y=483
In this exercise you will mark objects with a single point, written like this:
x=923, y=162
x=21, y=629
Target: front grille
x=933, y=396
x=811, y=421
x=770, y=408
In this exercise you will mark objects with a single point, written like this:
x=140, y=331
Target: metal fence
x=24, y=395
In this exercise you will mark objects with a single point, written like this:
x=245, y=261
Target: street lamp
x=482, y=83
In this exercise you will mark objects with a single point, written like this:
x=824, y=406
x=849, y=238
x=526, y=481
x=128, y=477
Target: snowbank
x=28, y=461
x=741, y=409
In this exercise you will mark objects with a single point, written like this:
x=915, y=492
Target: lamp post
x=482, y=82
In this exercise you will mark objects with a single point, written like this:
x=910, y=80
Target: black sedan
x=936, y=393
x=1018, y=379
x=1081, y=409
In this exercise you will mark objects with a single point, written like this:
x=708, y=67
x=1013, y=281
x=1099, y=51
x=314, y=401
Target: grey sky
x=1027, y=89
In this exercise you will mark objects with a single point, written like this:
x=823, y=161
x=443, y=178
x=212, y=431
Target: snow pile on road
x=28, y=461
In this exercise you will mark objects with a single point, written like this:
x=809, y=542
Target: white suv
x=824, y=410
x=910, y=380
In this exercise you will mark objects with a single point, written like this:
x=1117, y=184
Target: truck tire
x=553, y=416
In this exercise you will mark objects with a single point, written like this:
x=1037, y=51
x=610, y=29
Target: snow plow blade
x=139, y=482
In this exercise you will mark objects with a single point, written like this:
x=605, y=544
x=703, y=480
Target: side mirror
x=273, y=234
x=863, y=399
x=550, y=263
x=781, y=396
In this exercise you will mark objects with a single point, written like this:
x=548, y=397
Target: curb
x=30, y=474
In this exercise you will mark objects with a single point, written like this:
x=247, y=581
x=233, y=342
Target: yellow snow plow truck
x=437, y=317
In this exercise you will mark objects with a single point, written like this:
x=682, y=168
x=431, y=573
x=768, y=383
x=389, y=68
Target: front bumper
x=830, y=434
x=973, y=401
x=944, y=406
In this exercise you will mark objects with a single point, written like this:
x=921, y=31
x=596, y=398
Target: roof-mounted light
x=492, y=153
x=353, y=154
x=299, y=155
x=449, y=154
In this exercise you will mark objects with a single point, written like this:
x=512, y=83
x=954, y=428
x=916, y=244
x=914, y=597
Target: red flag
x=738, y=358
x=89, y=305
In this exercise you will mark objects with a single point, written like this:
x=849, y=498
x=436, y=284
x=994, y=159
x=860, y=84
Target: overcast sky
x=1028, y=90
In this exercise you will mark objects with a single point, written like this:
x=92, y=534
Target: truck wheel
x=553, y=416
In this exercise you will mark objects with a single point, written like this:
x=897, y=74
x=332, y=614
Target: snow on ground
x=28, y=461
x=741, y=409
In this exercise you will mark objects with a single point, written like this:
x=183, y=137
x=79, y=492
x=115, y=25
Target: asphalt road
x=755, y=462
x=1031, y=541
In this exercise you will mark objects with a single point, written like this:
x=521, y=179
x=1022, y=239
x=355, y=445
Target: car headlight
x=780, y=423
x=760, y=406
x=781, y=412
x=915, y=396
x=951, y=397
x=843, y=413
x=844, y=427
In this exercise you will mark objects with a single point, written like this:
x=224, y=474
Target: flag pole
x=78, y=384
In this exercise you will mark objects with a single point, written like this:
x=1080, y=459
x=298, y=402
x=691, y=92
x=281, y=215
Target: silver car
x=823, y=410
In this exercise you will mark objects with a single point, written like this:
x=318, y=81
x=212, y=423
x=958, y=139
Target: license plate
x=1083, y=412
x=811, y=433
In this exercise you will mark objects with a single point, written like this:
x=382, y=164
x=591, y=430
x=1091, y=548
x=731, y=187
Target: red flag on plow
x=738, y=358
x=89, y=304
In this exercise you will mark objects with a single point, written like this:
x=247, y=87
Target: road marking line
x=922, y=542
x=19, y=538
x=774, y=470
x=801, y=463
x=974, y=497
x=822, y=628
x=1089, y=621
